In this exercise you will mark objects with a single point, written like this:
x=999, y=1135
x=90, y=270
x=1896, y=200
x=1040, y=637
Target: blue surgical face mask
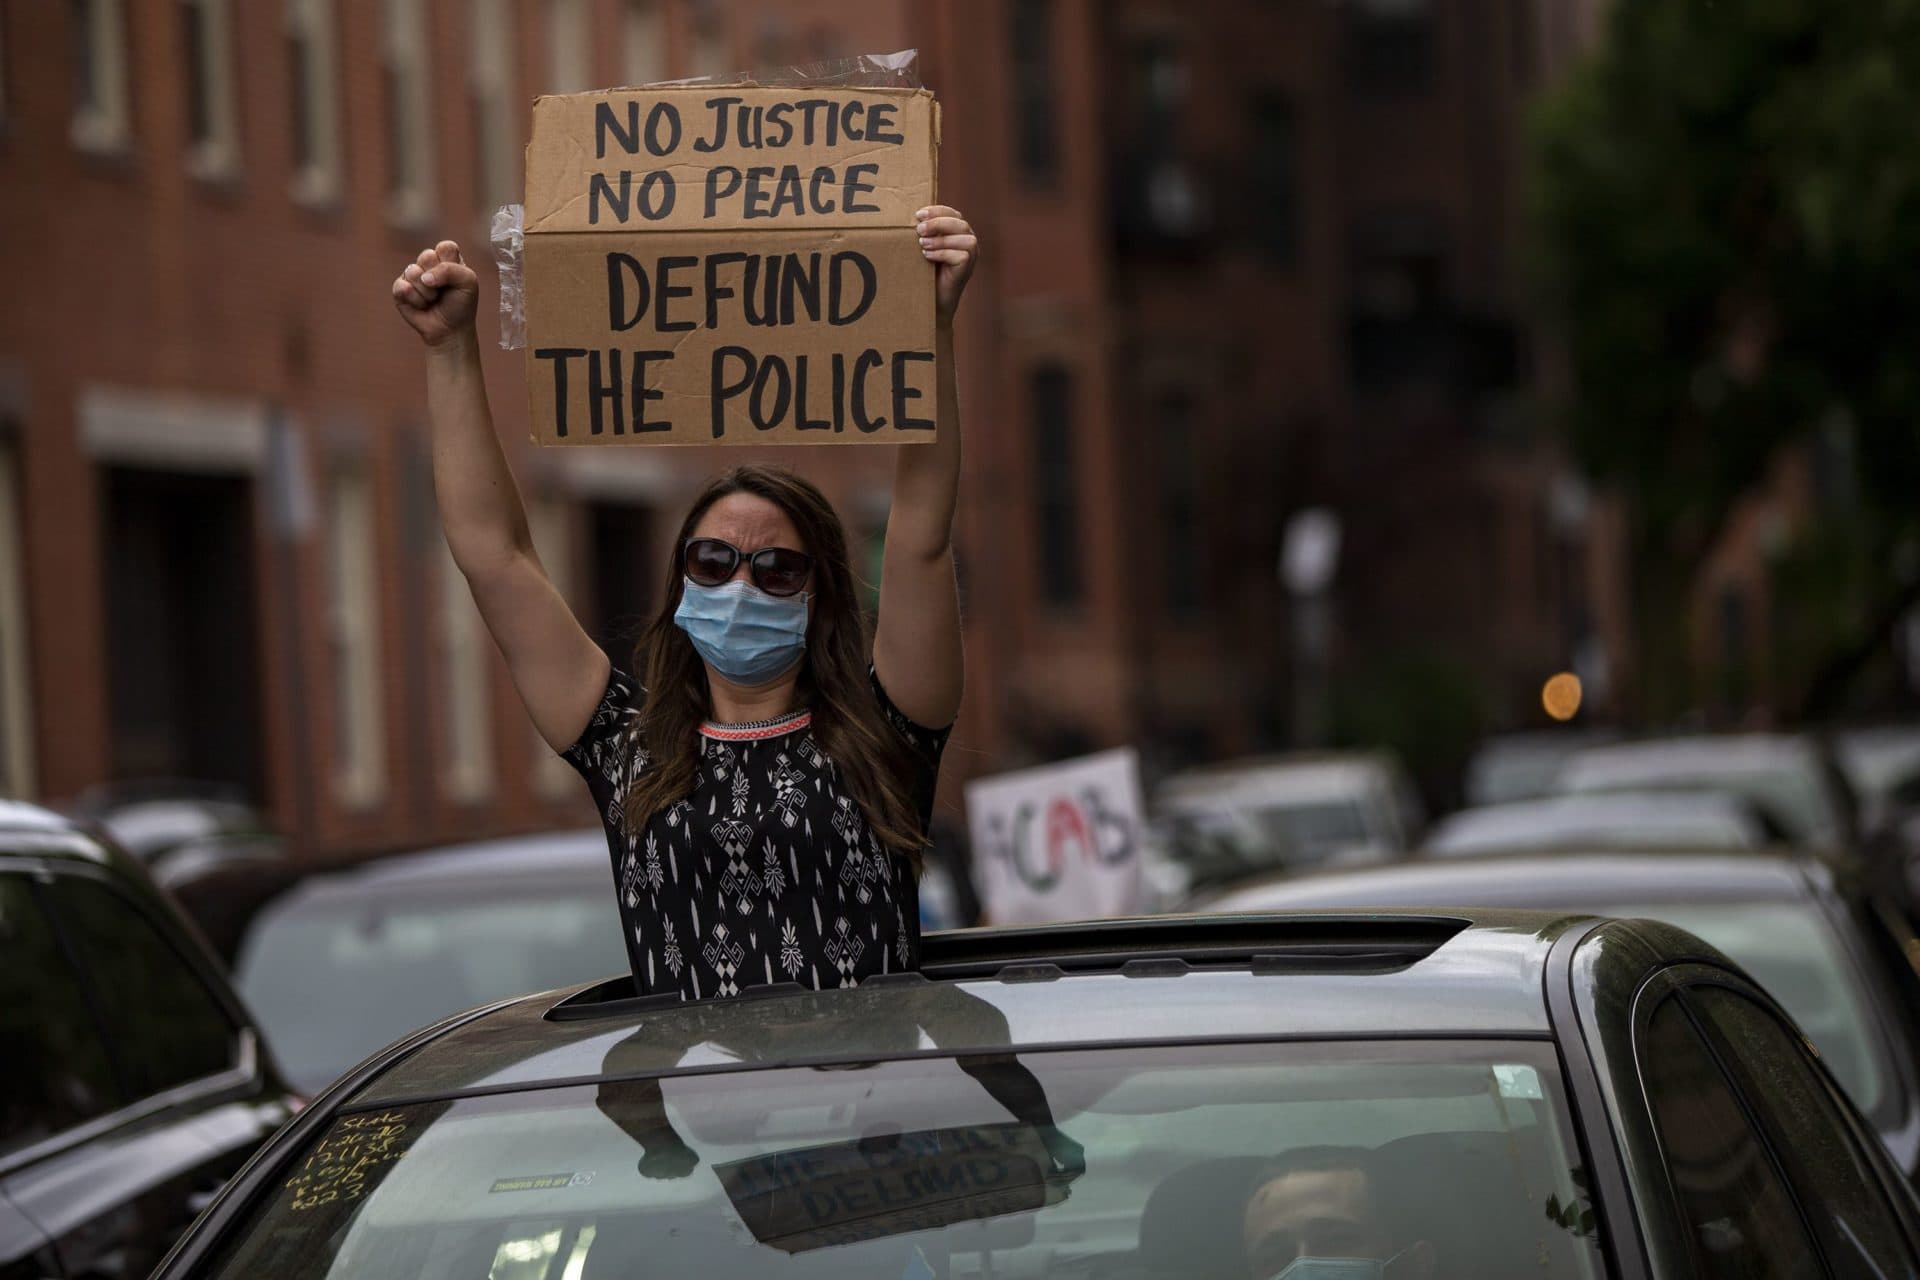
x=1338, y=1268
x=748, y=636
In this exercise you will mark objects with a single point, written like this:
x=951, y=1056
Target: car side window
x=54, y=1073
x=169, y=1029
x=1858, y=1228
x=1740, y=1220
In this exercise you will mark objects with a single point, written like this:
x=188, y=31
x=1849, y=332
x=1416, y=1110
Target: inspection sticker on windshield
x=1518, y=1082
x=541, y=1182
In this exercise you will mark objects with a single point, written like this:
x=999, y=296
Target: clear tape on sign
x=897, y=70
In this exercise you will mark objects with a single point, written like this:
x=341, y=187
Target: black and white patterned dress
x=767, y=872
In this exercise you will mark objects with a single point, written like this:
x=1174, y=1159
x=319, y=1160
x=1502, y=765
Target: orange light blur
x=1561, y=695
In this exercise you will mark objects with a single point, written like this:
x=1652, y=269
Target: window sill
x=410, y=212
x=318, y=191
x=101, y=139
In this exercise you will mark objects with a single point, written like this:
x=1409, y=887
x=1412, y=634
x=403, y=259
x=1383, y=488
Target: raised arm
x=916, y=643
x=556, y=666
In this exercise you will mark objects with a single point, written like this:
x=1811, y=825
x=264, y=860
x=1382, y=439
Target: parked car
x=1235, y=819
x=344, y=961
x=182, y=830
x=1791, y=778
x=1495, y=1094
x=1522, y=766
x=1837, y=957
x=1883, y=764
x=132, y=1082
x=1607, y=820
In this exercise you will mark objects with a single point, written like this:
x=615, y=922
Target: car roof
x=1630, y=809
x=1565, y=881
x=512, y=861
x=1716, y=754
x=30, y=830
x=1168, y=978
x=1279, y=778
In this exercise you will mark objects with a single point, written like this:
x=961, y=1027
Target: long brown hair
x=848, y=723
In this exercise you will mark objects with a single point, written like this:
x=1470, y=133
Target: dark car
x=182, y=830
x=1836, y=956
x=132, y=1082
x=340, y=962
x=1507, y=1094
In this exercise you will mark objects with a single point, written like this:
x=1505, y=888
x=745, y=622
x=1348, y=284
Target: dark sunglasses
x=775, y=570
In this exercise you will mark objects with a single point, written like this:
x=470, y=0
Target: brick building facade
x=1213, y=236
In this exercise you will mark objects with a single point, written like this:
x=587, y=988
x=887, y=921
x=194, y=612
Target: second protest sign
x=730, y=265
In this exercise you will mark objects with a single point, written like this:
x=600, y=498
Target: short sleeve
x=601, y=749
x=924, y=747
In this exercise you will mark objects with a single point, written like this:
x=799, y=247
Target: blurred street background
x=1396, y=374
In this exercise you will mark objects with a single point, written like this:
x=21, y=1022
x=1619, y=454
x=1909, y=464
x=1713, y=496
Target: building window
x=466, y=747
x=314, y=92
x=353, y=633
x=1273, y=178
x=550, y=523
x=711, y=56
x=100, y=121
x=774, y=46
x=409, y=105
x=643, y=42
x=569, y=46
x=1035, y=106
x=16, y=710
x=1182, y=564
x=1400, y=326
x=213, y=115
x=495, y=132
x=1056, y=486
x=1390, y=45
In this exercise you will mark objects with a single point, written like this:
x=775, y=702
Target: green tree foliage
x=1726, y=214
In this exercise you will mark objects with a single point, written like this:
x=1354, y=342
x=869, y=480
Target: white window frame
x=403, y=52
x=712, y=49
x=490, y=81
x=643, y=42
x=17, y=769
x=216, y=157
x=104, y=124
x=466, y=747
x=550, y=524
x=321, y=180
x=353, y=632
x=3, y=64
x=569, y=46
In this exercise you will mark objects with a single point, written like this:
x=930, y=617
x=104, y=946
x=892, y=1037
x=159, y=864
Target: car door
x=1770, y=1172
x=114, y=1194
x=55, y=1076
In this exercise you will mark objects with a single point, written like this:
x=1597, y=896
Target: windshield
x=1312, y=832
x=1793, y=953
x=1214, y=1161
x=330, y=984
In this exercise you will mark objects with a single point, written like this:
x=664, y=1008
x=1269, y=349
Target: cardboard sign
x=845, y=1192
x=1061, y=842
x=730, y=265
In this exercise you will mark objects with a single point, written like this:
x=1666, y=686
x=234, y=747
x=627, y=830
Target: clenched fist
x=438, y=294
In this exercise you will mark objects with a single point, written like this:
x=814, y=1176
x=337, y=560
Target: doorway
x=620, y=557
x=182, y=622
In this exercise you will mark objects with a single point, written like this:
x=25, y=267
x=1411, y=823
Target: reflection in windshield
x=306, y=974
x=1198, y=1162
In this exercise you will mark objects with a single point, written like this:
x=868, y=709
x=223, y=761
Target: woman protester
x=767, y=780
